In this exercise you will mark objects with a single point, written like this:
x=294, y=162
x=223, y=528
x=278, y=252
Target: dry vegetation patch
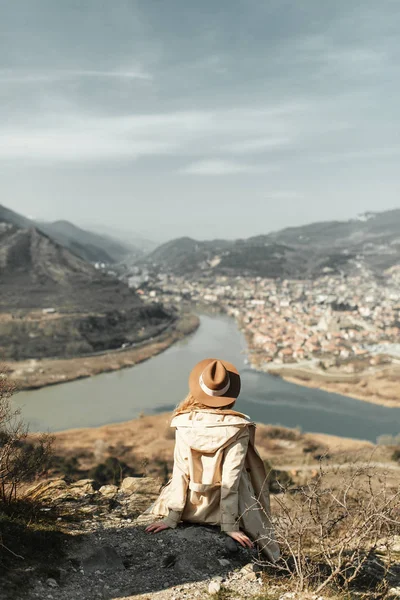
x=340, y=530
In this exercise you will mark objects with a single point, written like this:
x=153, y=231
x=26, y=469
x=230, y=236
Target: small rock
x=83, y=486
x=46, y=489
x=52, y=583
x=140, y=485
x=214, y=587
x=108, y=490
x=218, y=578
x=224, y=562
x=249, y=568
x=394, y=593
x=250, y=576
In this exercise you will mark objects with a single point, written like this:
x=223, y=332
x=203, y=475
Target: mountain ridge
x=305, y=251
x=92, y=247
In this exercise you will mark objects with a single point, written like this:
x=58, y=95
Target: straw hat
x=214, y=382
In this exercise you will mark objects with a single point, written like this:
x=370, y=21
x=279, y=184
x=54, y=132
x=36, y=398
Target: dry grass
x=339, y=529
x=150, y=439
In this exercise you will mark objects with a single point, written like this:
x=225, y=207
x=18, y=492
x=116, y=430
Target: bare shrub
x=338, y=530
x=278, y=481
x=21, y=460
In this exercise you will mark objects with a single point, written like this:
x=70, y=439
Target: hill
x=93, y=247
x=371, y=241
x=53, y=303
x=90, y=246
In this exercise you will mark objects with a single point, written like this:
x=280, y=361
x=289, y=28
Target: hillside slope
x=89, y=246
x=93, y=247
x=53, y=303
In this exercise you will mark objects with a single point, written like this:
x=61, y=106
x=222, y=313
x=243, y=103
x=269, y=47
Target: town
x=335, y=323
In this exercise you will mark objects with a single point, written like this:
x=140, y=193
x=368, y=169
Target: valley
x=319, y=305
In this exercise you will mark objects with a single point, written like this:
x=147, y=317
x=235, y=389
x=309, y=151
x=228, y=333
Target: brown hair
x=190, y=403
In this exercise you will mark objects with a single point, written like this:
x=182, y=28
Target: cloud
x=71, y=135
x=221, y=167
x=69, y=145
x=256, y=145
x=377, y=152
x=37, y=76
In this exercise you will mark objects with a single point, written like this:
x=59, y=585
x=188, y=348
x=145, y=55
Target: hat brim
x=213, y=401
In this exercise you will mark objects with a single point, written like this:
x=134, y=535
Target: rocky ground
x=96, y=547
x=107, y=554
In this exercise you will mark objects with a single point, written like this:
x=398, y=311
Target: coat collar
x=210, y=418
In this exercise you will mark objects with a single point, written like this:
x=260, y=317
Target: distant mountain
x=185, y=254
x=131, y=239
x=87, y=310
x=372, y=240
x=369, y=227
x=90, y=246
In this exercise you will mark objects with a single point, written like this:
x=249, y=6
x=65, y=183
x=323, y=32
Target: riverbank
x=382, y=386
x=35, y=373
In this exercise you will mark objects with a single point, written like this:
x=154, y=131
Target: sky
x=209, y=119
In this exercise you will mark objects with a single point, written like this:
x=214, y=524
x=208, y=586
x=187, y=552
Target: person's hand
x=242, y=538
x=156, y=527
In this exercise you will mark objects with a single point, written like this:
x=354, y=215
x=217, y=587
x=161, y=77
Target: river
x=158, y=384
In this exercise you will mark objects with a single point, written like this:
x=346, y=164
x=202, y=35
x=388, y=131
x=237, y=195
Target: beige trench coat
x=218, y=477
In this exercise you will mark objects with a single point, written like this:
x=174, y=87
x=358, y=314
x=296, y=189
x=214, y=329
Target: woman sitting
x=218, y=476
